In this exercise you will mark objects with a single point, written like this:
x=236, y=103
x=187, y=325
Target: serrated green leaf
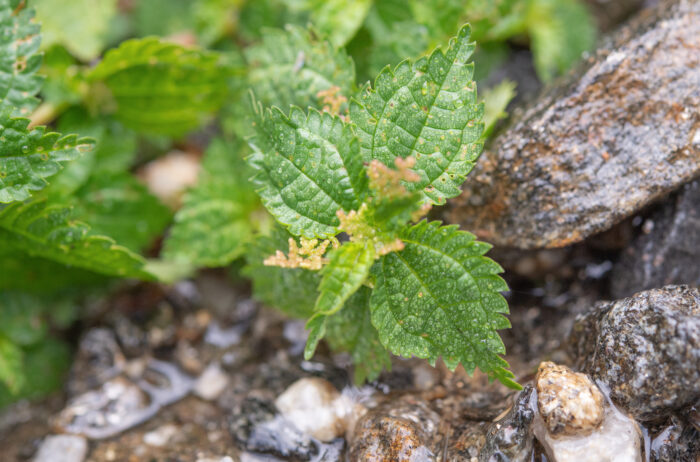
x=291, y=66
x=439, y=297
x=346, y=271
x=426, y=110
x=561, y=31
x=307, y=168
x=162, y=88
x=214, y=224
x=48, y=231
x=291, y=290
x=119, y=206
x=19, y=58
x=215, y=19
x=81, y=26
x=11, y=371
x=28, y=157
x=351, y=330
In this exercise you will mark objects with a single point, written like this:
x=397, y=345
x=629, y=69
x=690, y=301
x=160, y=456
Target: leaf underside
x=47, y=231
x=27, y=157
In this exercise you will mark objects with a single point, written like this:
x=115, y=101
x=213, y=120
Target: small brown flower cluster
x=332, y=100
x=387, y=181
x=308, y=256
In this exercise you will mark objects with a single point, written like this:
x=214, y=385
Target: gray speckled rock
x=645, y=348
x=591, y=151
x=510, y=438
x=401, y=430
x=669, y=251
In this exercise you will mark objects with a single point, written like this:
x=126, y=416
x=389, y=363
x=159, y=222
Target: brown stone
x=619, y=134
x=569, y=402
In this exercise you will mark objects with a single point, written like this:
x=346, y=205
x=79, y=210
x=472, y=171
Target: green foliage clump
x=311, y=178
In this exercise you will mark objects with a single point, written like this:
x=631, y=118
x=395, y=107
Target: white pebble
x=62, y=448
x=211, y=383
x=161, y=436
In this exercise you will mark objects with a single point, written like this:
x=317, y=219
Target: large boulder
x=594, y=149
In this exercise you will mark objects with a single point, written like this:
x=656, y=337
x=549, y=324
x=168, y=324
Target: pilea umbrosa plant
x=407, y=143
x=337, y=233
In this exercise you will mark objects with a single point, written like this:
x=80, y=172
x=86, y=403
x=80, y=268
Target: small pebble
x=211, y=383
x=62, y=448
x=315, y=407
x=569, y=402
x=161, y=436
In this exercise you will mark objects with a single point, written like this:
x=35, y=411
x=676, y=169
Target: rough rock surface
x=569, y=403
x=677, y=442
x=668, y=252
x=593, y=150
x=511, y=437
x=399, y=431
x=645, y=348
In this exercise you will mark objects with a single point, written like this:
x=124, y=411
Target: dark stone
x=669, y=251
x=401, y=430
x=677, y=442
x=645, y=349
x=594, y=149
x=510, y=439
x=256, y=426
x=609, y=14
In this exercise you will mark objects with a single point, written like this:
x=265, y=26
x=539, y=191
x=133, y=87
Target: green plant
x=406, y=144
x=124, y=83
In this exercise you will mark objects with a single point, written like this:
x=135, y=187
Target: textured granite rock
x=620, y=134
x=668, y=251
x=645, y=348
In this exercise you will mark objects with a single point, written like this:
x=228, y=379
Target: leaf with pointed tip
x=426, y=110
x=27, y=157
x=214, y=224
x=351, y=330
x=48, y=231
x=439, y=297
x=289, y=67
x=346, y=271
x=19, y=58
x=160, y=87
x=307, y=167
